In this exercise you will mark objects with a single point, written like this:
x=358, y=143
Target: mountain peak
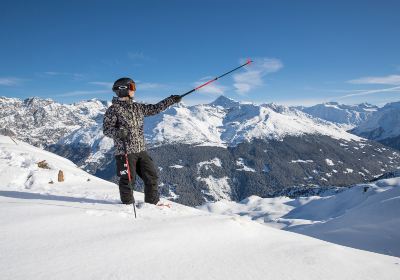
x=332, y=103
x=37, y=102
x=366, y=104
x=225, y=102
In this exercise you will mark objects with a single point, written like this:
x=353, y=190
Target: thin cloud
x=148, y=86
x=267, y=65
x=212, y=88
x=10, y=81
x=51, y=73
x=82, y=93
x=252, y=77
x=76, y=76
x=242, y=88
x=386, y=80
x=107, y=85
x=372, y=91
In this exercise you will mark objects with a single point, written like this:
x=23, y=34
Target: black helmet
x=121, y=86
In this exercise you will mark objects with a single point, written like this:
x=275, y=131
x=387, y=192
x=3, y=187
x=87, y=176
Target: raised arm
x=109, y=122
x=153, y=109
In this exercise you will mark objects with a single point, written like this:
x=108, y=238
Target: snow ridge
x=347, y=116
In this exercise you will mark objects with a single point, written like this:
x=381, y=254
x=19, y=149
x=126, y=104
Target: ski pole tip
x=249, y=61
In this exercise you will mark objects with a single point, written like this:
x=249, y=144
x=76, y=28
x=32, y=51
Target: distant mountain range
x=365, y=120
x=348, y=116
x=383, y=126
x=42, y=122
x=226, y=122
x=222, y=150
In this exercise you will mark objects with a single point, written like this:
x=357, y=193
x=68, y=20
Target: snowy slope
x=198, y=125
x=383, y=124
x=75, y=229
x=19, y=171
x=348, y=116
x=366, y=216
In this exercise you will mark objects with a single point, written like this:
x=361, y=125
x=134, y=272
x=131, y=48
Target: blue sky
x=305, y=52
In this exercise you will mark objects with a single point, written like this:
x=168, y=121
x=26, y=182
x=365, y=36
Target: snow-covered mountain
x=260, y=149
x=76, y=229
x=226, y=122
x=383, y=126
x=42, y=122
x=347, y=116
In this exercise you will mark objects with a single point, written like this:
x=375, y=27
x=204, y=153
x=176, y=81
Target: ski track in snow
x=77, y=230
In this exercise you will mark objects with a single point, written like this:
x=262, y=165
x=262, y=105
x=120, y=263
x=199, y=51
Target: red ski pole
x=216, y=78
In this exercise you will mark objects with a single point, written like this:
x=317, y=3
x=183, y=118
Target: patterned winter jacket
x=130, y=115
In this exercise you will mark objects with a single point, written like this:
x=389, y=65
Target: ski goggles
x=130, y=86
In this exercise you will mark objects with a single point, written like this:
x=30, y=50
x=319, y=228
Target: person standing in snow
x=123, y=121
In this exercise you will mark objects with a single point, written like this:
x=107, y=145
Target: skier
x=123, y=121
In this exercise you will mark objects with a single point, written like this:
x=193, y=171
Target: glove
x=122, y=133
x=176, y=98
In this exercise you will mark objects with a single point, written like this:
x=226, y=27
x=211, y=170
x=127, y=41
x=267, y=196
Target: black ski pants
x=142, y=165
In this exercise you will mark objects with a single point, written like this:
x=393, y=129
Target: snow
x=382, y=124
x=217, y=188
x=243, y=167
x=302, y=161
x=207, y=164
x=222, y=123
x=76, y=229
x=272, y=121
x=43, y=121
x=329, y=162
x=365, y=217
x=227, y=123
x=347, y=116
x=176, y=166
x=197, y=125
